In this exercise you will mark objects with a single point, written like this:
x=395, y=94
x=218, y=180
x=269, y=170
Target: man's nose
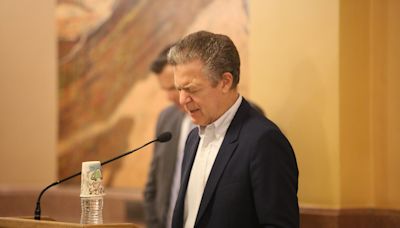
x=184, y=97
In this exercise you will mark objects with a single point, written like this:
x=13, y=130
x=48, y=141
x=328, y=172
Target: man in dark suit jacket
x=163, y=180
x=238, y=169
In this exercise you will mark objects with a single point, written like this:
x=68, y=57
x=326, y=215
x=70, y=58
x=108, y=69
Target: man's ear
x=227, y=80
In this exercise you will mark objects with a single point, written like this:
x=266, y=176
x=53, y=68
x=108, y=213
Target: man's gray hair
x=217, y=52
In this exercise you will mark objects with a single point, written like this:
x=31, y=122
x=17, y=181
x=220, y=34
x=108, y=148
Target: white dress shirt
x=211, y=138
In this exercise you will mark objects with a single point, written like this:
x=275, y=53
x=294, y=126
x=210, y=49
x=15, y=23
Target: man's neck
x=232, y=98
x=229, y=102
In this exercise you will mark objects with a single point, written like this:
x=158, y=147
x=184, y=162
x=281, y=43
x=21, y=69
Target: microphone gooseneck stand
x=163, y=137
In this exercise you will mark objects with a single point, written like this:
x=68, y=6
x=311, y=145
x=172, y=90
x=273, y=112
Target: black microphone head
x=164, y=137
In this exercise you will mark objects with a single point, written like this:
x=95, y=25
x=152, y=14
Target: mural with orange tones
x=108, y=100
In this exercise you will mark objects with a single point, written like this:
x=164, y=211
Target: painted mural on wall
x=108, y=100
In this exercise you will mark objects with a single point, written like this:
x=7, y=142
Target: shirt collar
x=219, y=127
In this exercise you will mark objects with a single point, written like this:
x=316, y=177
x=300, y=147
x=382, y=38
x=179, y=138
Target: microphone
x=163, y=137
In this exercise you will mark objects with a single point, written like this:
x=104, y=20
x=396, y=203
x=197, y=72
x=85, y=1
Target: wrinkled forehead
x=189, y=74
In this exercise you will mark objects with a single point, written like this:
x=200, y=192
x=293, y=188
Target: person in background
x=164, y=176
x=238, y=170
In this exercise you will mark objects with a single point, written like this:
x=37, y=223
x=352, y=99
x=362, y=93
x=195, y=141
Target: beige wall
x=355, y=87
x=385, y=102
x=294, y=68
x=327, y=72
x=27, y=92
x=370, y=108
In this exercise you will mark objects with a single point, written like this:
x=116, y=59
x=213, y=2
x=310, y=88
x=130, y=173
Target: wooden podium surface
x=10, y=222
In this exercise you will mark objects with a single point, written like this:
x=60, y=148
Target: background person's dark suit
x=253, y=182
x=158, y=187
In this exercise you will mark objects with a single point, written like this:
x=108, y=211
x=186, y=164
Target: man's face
x=200, y=99
x=166, y=80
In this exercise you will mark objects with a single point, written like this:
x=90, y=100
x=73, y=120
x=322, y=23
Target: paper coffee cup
x=91, y=179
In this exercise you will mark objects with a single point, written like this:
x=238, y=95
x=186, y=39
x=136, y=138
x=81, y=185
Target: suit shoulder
x=259, y=124
x=170, y=112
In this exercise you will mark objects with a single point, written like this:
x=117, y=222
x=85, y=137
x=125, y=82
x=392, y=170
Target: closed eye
x=189, y=90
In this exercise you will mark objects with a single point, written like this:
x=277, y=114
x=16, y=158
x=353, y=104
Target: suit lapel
x=225, y=152
x=190, y=154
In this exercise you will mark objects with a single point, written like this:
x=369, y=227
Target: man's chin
x=195, y=121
